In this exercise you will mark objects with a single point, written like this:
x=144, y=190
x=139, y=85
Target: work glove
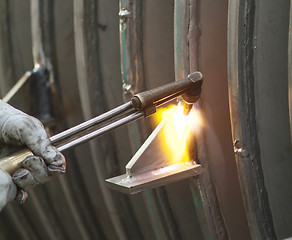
x=20, y=129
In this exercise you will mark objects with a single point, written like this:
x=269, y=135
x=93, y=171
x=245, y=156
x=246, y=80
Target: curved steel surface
x=89, y=72
x=133, y=81
x=187, y=35
x=258, y=34
x=251, y=178
x=217, y=149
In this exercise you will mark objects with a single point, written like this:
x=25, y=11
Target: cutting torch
x=141, y=105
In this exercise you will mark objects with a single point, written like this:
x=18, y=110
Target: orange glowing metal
x=177, y=132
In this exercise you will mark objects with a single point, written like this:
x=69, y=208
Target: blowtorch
x=141, y=105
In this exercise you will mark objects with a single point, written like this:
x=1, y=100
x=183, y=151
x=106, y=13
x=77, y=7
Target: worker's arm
x=20, y=129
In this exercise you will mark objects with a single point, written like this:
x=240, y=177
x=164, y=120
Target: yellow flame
x=177, y=131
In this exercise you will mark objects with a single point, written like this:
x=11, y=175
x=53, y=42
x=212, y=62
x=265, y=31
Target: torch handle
x=119, y=116
x=13, y=161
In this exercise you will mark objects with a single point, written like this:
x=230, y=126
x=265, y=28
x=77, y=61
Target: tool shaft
x=12, y=162
x=81, y=127
x=141, y=105
x=102, y=131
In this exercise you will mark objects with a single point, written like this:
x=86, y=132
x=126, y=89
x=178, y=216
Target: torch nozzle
x=187, y=107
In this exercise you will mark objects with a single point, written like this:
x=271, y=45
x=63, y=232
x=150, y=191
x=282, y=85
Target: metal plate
x=154, y=178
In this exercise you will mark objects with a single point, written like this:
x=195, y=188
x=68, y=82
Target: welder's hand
x=20, y=129
x=8, y=189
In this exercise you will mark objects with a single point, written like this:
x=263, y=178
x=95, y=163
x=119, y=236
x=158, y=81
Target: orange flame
x=177, y=131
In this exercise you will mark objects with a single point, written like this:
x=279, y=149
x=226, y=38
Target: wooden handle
x=12, y=162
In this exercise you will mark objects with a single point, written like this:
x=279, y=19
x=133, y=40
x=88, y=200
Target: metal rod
x=17, y=86
x=81, y=127
x=102, y=130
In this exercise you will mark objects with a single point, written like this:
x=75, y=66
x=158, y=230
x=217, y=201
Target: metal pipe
x=81, y=127
x=102, y=130
x=17, y=86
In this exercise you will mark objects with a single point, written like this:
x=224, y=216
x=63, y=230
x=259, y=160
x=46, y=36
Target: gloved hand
x=20, y=129
x=8, y=189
